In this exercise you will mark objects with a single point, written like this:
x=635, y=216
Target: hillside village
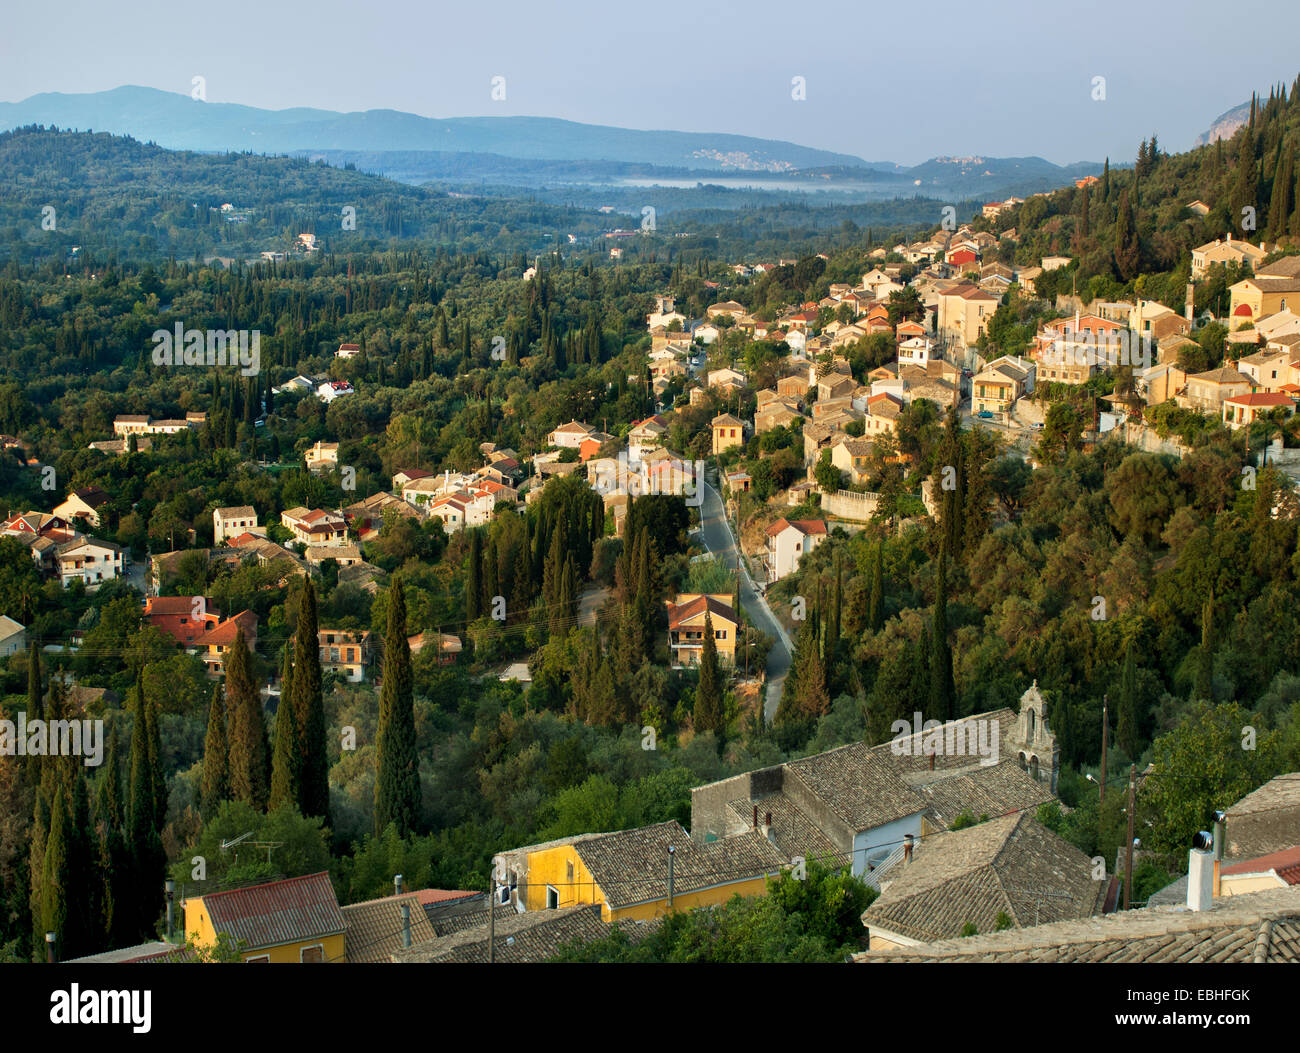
x=607, y=603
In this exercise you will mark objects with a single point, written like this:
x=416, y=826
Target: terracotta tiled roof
x=975, y=874
x=686, y=611
x=224, y=633
x=375, y=927
x=1256, y=927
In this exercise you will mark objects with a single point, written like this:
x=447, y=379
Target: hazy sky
x=899, y=82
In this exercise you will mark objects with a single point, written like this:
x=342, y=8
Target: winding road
x=718, y=539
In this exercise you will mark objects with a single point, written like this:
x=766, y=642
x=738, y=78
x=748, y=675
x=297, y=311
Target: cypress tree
x=397, y=786
x=833, y=624
x=474, y=581
x=1126, y=729
x=35, y=705
x=1127, y=251
x=708, y=714
x=40, y=832
x=83, y=911
x=250, y=774
x=54, y=888
x=876, y=606
x=285, y=781
x=157, y=781
x=491, y=576
x=943, y=702
x=312, y=772
x=1203, y=686
x=216, y=758
x=147, y=859
x=113, y=862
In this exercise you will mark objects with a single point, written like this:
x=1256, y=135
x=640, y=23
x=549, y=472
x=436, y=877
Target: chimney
x=1200, y=873
x=397, y=884
x=931, y=755
x=51, y=956
x=406, y=924
x=767, y=825
x=907, y=848
x=755, y=817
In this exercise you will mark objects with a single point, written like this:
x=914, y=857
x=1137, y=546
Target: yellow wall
x=1237, y=884
x=199, y=928
x=549, y=867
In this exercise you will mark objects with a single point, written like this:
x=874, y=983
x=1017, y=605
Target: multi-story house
x=314, y=527
x=686, y=617
x=346, y=652
x=90, y=561
x=788, y=541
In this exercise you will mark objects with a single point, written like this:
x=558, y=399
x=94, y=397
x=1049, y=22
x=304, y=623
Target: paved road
x=718, y=539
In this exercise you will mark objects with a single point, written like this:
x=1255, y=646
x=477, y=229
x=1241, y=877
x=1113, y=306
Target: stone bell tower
x=1033, y=742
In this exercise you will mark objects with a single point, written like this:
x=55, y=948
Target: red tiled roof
x=1286, y=864
x=224, y=634
x=280, y=912
x=163, y=606
x=687, y=611
x=442, y=895
x=1262, y=398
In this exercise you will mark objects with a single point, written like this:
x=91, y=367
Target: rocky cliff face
x=1225, y=125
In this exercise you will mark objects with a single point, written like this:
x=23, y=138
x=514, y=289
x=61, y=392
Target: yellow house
x=728, y=431
x=1261, y=296
x=627, y=873
x=294, y=920
x=686, y=627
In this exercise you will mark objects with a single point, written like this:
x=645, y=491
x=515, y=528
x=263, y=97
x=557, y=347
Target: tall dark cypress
x=708, y=715
x=215, y=787
x=876, y=607
x=397, y=783
x=157, y=780
x=943, y=702
x=54, y=886
x=313, y=768
x=285, y=775
x=82, y=936
x=250, y=762
x=141, y=832
x=474, y=580
x=35, y=705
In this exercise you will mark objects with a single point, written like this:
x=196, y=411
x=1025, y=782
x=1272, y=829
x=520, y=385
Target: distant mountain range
x=523, y=151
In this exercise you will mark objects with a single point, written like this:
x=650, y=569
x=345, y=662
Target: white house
x=89, y=560
x=914, y=352
x=334, y=389
x=570, y=435
x=315, y=526
x=233, y=521
x=787, y=541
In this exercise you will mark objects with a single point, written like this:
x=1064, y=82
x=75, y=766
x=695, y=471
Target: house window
x=314, y=953
x=258, y=959
x=568, y=871
x=552, y=897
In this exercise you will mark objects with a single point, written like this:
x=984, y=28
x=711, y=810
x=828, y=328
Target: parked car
x=985, y=414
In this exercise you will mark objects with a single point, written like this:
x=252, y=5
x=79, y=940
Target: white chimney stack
x=1200, y=879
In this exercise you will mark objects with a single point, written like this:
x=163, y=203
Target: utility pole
x=492, y=919
x=1128, y=865
x=1105, y=729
